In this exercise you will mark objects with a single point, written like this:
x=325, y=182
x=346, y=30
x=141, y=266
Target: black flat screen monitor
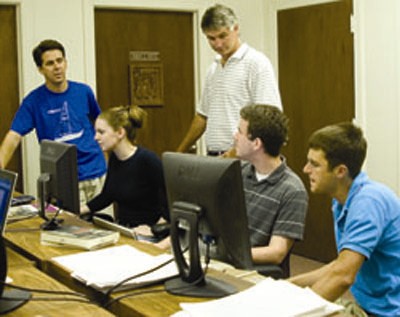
x=9, y=299
x=58, y=182
x=206, y=200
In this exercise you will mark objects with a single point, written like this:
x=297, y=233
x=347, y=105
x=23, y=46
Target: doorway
x=316, y=78
x=9, y=88
x=165, y=36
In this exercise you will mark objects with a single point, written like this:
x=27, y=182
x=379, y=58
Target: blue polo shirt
x=65, y=117
x=369, y=223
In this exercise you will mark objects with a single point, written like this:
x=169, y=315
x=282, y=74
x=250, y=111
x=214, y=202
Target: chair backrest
x=285, y=265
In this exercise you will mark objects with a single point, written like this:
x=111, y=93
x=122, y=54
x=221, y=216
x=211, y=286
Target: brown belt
x=215, y=153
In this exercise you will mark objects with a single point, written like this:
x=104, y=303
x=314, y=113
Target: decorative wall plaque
x=146, y=78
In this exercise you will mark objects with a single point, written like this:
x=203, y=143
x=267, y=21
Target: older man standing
x=239, y=76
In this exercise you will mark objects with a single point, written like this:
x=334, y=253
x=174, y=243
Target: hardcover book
x=81, y=237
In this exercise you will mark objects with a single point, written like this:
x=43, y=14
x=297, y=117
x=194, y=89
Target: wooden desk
x=30, y=277
x=24, y=273
x=157, y=304
x=24, y=237
x=15, y=259
x=161, y=303
x=149, y=304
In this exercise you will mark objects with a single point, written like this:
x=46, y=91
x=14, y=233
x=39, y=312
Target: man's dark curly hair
x=267, y=123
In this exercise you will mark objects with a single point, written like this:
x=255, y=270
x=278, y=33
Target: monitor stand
x=51, y=224
x=12, y=299
x=42, y=184
x=208, y=287
x=192, y=281
x=9, y=299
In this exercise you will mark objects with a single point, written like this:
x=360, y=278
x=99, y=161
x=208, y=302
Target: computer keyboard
x=128, y=232
x=22, y=200
x=114, y=227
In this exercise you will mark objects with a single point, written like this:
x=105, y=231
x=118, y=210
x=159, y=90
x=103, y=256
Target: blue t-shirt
x=369, y=223
x=64, y=117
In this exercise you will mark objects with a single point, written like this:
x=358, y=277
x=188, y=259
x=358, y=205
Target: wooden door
x=170, y=34
x=316, y=77
x=9, y=89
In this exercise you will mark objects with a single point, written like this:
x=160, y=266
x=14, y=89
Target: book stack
x=80, y=237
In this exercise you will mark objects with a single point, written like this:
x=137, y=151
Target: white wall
x=377, y=56
x=37, y=20
x=377, y=59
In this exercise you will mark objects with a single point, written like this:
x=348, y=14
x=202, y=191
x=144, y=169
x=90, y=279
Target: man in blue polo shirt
x=367, y=222
x=63, y=111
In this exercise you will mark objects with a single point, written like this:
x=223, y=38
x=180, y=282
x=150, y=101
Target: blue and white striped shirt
x=246, y=78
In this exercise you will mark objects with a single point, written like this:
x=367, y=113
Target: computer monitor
x=206, y=201
x=9, y=299
x=58, y=182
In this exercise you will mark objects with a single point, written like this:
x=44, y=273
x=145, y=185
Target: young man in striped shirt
x=239, y=76
x=276, y=199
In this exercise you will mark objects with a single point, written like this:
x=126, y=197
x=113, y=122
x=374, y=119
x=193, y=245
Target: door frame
x=202, y=58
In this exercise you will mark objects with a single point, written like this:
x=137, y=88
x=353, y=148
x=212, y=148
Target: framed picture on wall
x=146, y=83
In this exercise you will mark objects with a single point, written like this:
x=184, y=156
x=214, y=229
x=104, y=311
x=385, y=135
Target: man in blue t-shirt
x=63, y=111
x=367, y=222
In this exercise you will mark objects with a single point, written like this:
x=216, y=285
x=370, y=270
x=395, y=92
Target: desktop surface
x=24, y=237
x=31, y=277
x=161, y=303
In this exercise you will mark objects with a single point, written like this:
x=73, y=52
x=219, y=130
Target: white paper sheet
x=267, y=298
x=106, y=267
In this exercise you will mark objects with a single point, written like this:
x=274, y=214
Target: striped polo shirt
x=246, y=78
x=276, y=205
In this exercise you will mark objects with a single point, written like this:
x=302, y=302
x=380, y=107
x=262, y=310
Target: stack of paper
x=105, y=268
x=269, y=297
